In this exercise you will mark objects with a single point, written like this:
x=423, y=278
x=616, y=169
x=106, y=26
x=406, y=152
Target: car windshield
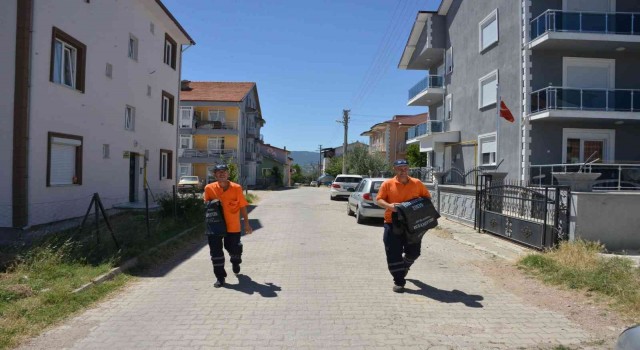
x=189, y=178
x=348, y=179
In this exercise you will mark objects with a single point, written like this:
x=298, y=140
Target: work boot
x=398, y=289
x=236, y=268
x=219, y=283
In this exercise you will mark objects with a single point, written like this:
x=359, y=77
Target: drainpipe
x=21, y=98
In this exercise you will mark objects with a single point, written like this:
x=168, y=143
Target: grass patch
x=251, y=198
x=578, y=265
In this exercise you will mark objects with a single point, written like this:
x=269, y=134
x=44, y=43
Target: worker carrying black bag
x=214, y=219
x=414, y=218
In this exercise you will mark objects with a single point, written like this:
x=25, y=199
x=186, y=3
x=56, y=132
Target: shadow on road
x=248, y=286
x=445, y=296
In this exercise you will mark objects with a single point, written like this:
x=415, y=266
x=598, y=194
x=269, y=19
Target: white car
x=362, y=201
x=341, y=185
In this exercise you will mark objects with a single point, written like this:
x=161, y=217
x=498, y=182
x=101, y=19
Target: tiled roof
x=409, y=119
x=216, y=91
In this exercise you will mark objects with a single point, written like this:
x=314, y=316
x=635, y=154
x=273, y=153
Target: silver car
x=341, y=186
x=362, y=200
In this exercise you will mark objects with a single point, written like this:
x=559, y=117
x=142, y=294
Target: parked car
x=314, y=183
x=189, y=184
x=341, y=185
x=362, y=200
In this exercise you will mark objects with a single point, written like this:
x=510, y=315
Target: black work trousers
x=400, y=254
x=233, y=246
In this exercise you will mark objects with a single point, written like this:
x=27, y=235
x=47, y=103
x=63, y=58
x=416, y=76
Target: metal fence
x=614, y=177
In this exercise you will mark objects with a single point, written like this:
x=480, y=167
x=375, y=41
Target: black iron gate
x=534, y=216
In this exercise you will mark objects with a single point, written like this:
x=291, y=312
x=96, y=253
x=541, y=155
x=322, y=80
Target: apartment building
x=389, y=138
x=564, y=68
x=219, y=123
x=87, y=105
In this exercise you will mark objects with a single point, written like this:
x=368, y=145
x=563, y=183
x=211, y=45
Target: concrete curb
x=128, y=264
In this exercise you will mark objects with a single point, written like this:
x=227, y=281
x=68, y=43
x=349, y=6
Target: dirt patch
x=591, y=312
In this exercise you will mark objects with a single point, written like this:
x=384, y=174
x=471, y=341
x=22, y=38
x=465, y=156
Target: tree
x=415, y=158
x=359, y=161
x=296, y=174
x=277, y=177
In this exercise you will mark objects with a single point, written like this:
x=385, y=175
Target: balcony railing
x=211, y=125
x=615, y=177
x=431, y=81
x=206, y=153
x=560, y=98
x=425, y=128
x=624, y=23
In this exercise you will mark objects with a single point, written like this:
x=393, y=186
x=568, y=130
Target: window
x=149, y=90
x=578, y=145
x=167, y=107
x=129, y=118
x=152, y=28
x=166, y=157
x=170, y=47
x=488, y=29
x=184, y=169
x=448, y=107
x=448, y=60
x=439, y=113
x=267, y=172
x=215, y=143
x=487, y=89
x=108, y=70
x=105, y=151
x=67, y=60
x=133, y=47
x=64, y=159
x=487, y=149
x=217, y=115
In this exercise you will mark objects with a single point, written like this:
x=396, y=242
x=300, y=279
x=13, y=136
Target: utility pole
x=320, y=162
x=345, y=122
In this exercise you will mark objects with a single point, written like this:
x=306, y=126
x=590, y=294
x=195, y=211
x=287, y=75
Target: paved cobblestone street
x=312, y=278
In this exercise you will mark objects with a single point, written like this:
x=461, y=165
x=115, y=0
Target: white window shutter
x=63, y=164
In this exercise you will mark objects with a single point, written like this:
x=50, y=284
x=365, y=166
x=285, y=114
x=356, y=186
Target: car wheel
x=349, y=211
x=359, y=217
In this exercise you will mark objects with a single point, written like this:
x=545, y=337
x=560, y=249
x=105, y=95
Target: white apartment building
x=88, y=103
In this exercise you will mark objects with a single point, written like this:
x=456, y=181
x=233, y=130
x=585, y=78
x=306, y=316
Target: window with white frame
x=448, y=60
x=439, y=113
x=167, y=108
x=487, y=150
x=215, y=143
x=67, y=60
x=133, y=47
x=64, y=161
x=488, y=30
x=166, y=157
x=105, y=151
x=448, y=107
x=129, y=118
x=578, y=145
x=184, y=169
x=170, y=48
x=487, y=89
x=218, y=115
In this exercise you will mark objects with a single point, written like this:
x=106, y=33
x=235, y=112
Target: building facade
x=219, y=123
x=89, y=105
x=389, y=138
x=564, y=69
x=275, y=167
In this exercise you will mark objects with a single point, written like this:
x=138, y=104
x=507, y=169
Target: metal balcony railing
x=425, y=128
x=206, y=153
x=615, y=177
x=430, y=81
x=210, y=124
x=561, y=98
x=625, y=23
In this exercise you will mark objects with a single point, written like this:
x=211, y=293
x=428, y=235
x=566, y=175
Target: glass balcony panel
x=619, y=23
x=431, y=81
x=594, y=22
x=594, y=99
x=620, y=101
x=636, y=23
x=568, y=99
x=636, y=100
x=436, y=126
x=567, y=21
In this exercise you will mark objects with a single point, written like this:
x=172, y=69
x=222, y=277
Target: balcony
x=426, y=44
x=585, y=31
x=253, y=131
x=561, y=102
x=209, y=127
x=193, y=155
x=250, y=156
x=427, y=91
x=425, y=128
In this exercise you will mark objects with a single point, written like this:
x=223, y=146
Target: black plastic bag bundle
x=214, y=219
x=414, y=218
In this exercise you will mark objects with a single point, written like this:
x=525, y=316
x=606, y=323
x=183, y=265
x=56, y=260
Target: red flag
x=505, y=112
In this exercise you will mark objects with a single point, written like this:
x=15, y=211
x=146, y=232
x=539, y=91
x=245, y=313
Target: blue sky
x=310, y=59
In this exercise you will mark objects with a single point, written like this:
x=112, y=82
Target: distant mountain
x=304, y=158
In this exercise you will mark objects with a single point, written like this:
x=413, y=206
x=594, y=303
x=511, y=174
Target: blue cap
x=400, y=162
x=220, y=167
